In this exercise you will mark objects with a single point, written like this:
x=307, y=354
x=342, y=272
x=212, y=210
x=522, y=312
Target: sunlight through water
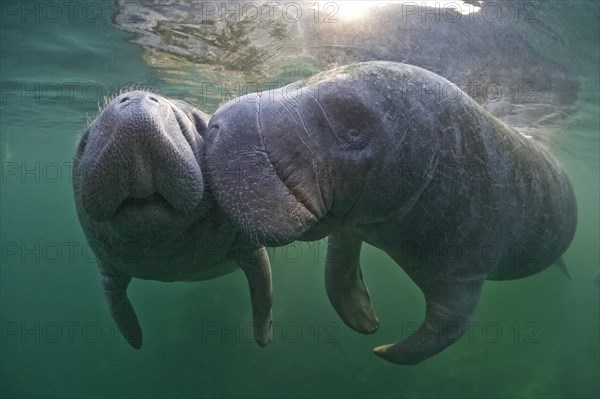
x=350, y=10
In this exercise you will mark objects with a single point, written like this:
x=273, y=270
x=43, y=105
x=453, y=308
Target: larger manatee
x=398, y=157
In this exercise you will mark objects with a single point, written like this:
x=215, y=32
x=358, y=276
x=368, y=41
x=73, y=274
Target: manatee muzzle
x=246, y=183
x=141, y=154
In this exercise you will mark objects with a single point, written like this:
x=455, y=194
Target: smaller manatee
x=147, y=213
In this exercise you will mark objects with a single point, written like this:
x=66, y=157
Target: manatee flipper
x=115, y=285
x=560, y=263
x=344, y=283
x=256, y=266
x=450, y=306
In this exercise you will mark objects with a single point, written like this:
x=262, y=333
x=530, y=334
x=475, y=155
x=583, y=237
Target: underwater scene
x=457, y=141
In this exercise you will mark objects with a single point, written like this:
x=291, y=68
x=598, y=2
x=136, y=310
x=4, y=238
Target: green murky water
x=535, y=337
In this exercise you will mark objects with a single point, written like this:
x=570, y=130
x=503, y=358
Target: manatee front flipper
x=344, y=283
x=115, y=285
x=450, y=305
x=256, y=266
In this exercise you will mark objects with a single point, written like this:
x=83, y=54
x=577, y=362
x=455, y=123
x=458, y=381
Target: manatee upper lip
x=126, y=201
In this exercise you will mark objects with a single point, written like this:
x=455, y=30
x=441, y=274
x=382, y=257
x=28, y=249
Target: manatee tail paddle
x=450, y=306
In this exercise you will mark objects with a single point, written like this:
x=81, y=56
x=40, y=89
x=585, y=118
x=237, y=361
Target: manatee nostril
x=152, y=98
x=124, y=99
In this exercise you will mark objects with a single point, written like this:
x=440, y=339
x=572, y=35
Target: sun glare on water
x=351, y=10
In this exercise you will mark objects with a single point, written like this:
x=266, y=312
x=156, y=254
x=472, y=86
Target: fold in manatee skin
x=363, y=153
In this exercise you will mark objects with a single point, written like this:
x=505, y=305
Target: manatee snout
x=252, y=162
x=139, y=160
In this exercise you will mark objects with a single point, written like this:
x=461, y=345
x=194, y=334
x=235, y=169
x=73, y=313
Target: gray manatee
x=379, y=152
x=145, y=210
x=400, y=158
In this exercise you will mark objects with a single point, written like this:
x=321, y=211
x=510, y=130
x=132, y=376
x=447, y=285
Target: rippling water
x=536, y=337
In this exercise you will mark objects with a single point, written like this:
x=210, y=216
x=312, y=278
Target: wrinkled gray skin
x=397, y=157
x=383, y=153
x=146, y=211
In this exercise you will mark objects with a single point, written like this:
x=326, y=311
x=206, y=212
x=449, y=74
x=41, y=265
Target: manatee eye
x=353, y=123
x=355, y=139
